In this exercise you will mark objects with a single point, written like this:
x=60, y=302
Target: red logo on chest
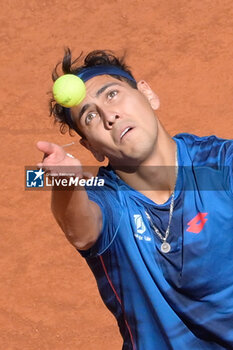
x=197, y=223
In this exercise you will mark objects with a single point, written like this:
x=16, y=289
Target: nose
x=109, y=118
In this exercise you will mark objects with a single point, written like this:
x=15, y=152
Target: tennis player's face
x=118, y=121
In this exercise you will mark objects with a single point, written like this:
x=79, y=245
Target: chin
x=132, y=159
x=133, y=155
x=141, y=152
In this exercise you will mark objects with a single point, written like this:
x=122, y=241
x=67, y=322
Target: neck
x=155, y=177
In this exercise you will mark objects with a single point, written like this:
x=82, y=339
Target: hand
x=57, y=162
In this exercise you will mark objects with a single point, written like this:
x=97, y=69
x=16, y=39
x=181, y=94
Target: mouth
x=125, y=132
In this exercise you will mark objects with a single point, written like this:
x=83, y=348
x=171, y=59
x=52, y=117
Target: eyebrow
x=83, y=110
x=103, y=88
x=98, y=93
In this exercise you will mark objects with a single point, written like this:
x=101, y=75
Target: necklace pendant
x=165, y=247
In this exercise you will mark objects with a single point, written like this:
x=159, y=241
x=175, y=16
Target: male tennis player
x=158, y=236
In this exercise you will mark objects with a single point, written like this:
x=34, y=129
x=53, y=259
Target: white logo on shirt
x=139, y=224
x=141, y=228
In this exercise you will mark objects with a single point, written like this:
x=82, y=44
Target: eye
x=111, y=94
x=89, y=117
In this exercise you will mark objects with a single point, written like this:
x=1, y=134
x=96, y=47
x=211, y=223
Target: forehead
x=94, y=86
x=100, y=80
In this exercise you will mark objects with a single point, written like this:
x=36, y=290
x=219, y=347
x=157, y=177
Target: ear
x=145, y=89
x=98, y=156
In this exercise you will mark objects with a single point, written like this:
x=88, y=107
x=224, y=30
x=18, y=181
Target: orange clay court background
x=183, y=48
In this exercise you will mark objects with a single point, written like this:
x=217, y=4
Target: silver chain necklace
x=165, y=246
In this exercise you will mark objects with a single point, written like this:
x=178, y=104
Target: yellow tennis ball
x=69, y=90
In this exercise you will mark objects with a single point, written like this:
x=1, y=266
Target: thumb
x=47, y=147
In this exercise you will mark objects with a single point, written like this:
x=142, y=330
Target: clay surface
x=183, y=49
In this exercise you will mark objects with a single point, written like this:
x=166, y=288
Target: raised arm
x=79, y=218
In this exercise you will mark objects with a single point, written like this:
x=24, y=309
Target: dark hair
x=94, y=58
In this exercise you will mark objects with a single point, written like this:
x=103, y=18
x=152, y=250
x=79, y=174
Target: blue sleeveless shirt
x=182, y=299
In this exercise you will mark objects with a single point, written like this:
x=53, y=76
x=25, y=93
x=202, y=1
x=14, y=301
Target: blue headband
x=87, y=73
x=90, y=72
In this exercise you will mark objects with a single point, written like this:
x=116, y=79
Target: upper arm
x=79, y=217
x=97, y=227
x=110, y=217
